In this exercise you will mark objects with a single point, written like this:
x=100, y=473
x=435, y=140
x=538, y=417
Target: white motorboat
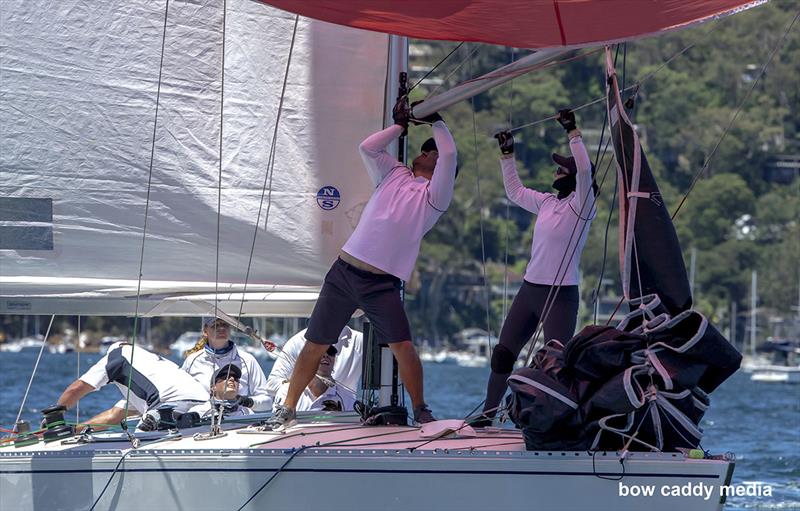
x=775, y=374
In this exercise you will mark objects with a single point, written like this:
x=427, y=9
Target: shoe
x=281, y=419
x=423, y=415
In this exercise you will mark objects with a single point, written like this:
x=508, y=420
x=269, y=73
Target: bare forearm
x=108, y=418
x=74, y=393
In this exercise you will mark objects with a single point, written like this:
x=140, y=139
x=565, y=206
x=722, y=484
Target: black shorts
x=347, y=288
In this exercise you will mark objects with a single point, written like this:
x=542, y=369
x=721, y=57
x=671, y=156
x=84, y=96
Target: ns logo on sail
x=328, y=198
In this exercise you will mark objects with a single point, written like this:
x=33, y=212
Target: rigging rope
x=147, y=205
x=636, y=85
x=628, y=187
x=486, y=286
x=508, y=202
x=725, y=132
x=435, y=67
x=35, y=366
x=270, y=166
x=219, y=172
x=611, y=205
x=596, y=292
x=551, y=297
x=519, y=72
x=455, y=69
x=736, y=114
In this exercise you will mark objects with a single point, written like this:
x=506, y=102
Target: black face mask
x=564, y=185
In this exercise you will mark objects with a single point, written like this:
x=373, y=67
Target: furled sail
x=520, y=23
x=78, y=108
x=650, y=255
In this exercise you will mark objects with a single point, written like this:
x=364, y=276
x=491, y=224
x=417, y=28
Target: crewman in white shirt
x=346, y=368
x=153, y=381
x=323, y=392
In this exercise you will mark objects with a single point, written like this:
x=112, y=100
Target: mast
x=397, y=70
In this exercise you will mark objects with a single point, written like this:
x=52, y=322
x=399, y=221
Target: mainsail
x=79, y=91
x=520, y=23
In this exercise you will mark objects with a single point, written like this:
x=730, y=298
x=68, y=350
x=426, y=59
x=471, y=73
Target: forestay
x=79, y=93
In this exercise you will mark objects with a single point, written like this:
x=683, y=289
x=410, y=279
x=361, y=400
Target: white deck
x=342, y=465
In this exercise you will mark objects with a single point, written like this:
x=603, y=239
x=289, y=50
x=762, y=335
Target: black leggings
x=519, y=326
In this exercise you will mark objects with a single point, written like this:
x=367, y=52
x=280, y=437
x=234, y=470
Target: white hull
x=776, y=374
x=487, y=471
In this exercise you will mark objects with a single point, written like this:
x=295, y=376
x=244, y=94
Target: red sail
x=520, y=23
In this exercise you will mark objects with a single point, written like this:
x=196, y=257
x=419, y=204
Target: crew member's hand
x=401, y=112
x=506, y=142
x=566, y=118
x=430, y=119
x=246, y=401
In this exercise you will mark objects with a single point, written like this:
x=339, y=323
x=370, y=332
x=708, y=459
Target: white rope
x=36, y=366
x=147, y=205
x=486, y=286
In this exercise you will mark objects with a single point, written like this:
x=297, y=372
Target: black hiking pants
x=523, y=317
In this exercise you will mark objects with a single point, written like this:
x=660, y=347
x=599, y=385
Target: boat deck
x=320, y=430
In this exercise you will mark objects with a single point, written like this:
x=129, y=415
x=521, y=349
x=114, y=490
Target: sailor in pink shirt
x=381, y=253
x=551, y=278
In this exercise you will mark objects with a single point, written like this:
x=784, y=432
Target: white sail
x=77, y=111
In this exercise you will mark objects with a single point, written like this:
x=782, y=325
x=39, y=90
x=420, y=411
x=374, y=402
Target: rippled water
x=758, y=422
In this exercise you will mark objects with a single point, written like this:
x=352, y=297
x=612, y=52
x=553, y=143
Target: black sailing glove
x=566, y=118
x=401, y=112
x=506, y=142
x=246, y=401
x=430, y=119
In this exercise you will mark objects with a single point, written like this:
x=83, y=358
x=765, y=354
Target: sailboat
x=161, y=157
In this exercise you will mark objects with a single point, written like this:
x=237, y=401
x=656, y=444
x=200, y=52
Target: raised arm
x=583, y=200
x=523, y=197
x=373, y=152
x=440, y=191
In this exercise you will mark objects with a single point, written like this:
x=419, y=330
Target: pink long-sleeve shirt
x=403, y=207
x=555, y=221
